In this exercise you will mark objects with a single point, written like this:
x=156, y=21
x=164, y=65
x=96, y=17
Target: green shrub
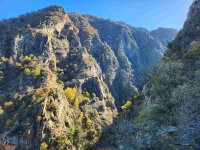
x=87, y=100
x=71, y=133
x=27, y=71
x=194, y=52
x=32, y=64
x=8, y=123
x=18, y=65
x=160, y=109
x=60, y=71
x=33, y=98
x=36, y=72
x=95, y=113
x=4, y=59
x=27, y=59
x=66, y=140
x=87, y=94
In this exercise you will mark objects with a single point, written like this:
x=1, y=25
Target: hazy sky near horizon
x=149, y=14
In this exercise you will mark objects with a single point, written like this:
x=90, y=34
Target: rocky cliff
x=52, y=88
x=62, y=76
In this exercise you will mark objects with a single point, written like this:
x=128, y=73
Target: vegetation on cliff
x=63, y=76
x=166, y=112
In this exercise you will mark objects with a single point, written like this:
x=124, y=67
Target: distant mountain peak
x=165, y=35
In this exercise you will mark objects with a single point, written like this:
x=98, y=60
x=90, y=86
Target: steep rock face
x=165, y=35
x=60, y=75
x=134, y=47
x=52, y=88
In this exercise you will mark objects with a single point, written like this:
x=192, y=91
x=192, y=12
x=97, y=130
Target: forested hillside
x=165, y=115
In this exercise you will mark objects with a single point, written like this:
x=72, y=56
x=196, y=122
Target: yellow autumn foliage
x=70, y=94
x=1, y=110
x=47, y=90
x=38, y=118
x=39, y=92
x=43, y=146
x=76, y=102
x=87, y=94
x=127, y=105
x=27, y=71
x=8, y=104
x=80, y=118
x=80, y=97
x=36, y=72
x=89, y=122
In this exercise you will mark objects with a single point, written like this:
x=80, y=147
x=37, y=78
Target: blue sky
x=149, y=14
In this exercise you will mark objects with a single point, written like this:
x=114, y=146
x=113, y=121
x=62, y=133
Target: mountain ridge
x=164, y=35
x=127, y=59
x=63, y=77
